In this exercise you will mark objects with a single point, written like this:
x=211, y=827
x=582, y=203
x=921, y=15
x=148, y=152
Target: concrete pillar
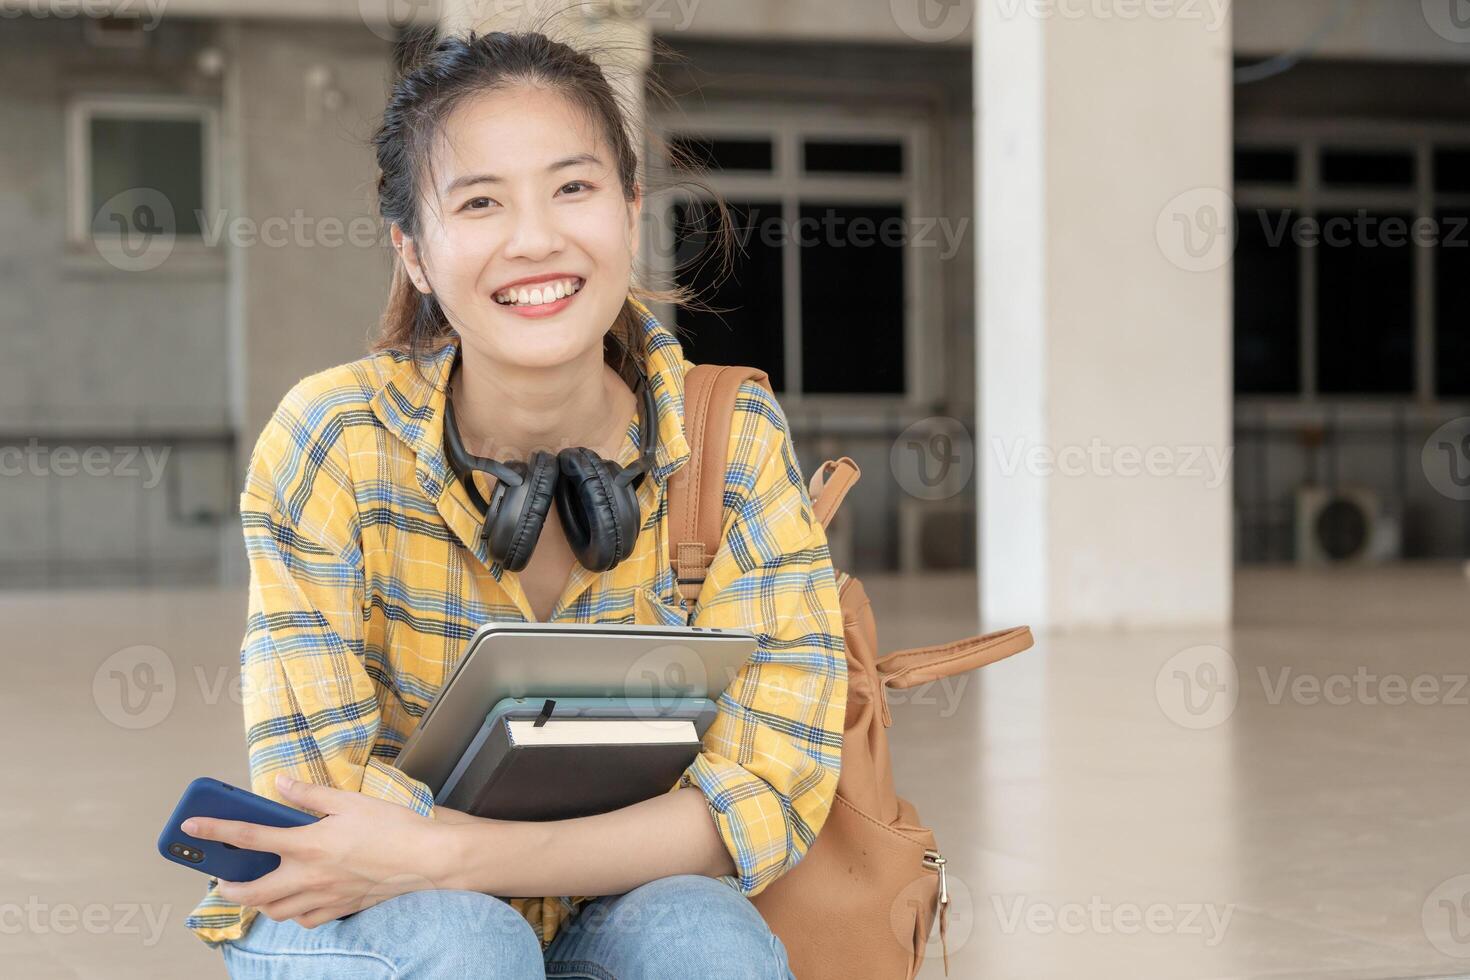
x=1103, y=314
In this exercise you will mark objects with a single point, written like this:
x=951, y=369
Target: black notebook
x=525, y=768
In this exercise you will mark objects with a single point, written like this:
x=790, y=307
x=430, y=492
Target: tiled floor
x=1103, y=813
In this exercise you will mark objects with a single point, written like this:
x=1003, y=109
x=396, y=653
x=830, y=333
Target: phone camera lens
x=187, y=853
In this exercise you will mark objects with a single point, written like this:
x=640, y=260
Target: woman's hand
x=362, y=852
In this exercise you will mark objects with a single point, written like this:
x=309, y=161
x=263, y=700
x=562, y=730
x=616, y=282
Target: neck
x=506, y=411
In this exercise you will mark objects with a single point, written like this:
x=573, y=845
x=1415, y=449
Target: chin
x=548, y=343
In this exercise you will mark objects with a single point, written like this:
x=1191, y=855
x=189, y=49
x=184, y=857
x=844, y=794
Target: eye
x=477, y=204
x=574, y=185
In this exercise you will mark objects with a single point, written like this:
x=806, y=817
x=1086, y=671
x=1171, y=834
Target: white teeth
x=537, y=295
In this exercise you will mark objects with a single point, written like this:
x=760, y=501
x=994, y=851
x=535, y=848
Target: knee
x=457, y=933
x=692, y=925
x=433, y=935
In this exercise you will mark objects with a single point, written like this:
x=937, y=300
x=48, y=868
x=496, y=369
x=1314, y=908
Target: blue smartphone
x=206, y=797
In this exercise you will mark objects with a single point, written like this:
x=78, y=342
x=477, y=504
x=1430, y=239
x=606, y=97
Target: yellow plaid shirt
x=367, y=578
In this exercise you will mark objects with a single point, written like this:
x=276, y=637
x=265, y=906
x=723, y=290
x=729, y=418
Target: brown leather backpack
x=862, y=901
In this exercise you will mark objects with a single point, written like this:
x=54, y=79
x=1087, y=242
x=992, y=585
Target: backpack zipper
x=935, y=861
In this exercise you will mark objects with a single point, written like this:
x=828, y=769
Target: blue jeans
x=669, y=929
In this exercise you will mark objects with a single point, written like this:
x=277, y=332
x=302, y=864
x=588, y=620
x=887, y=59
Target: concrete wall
x=97, y=357
x=1397, y=29
x=301, y=104
x=91, y=345
x=1394, y=30
x=302, y=85
x=182, y=363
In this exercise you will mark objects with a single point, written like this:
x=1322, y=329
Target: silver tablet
x=518, y=659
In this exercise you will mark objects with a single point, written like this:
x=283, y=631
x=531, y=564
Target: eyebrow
x=467, y=179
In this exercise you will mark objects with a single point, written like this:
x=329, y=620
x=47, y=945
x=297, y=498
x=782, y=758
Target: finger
x=314, y=796
x=251, y=836
x=295, y=905
x=280, y=884
x=316, y=917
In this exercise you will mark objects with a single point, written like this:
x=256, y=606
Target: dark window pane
x=1452, y=170
x=1452, y=304
x=1365, y=304
x=160, y=155
x=824, y=156
x=852, y=329
x=1261, y=166
x=719, y=153
x=1267, y=303
x=1368, y=168
x=746, y=325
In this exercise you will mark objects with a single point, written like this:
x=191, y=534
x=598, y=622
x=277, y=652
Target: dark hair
x=429, y=88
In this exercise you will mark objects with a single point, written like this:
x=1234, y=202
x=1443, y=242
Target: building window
x=852, y=157
x=1452, y=304
x=1267, y=305
x=1367, y=168
x=732, y=154
x=742, y=324
x=1350, y=264
x=1265, y=165
x=851, y=302
x=825, y=290
x=140, y=167
x=1365, y=305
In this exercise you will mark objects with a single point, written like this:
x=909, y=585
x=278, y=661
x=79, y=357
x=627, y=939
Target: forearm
x=607, y=854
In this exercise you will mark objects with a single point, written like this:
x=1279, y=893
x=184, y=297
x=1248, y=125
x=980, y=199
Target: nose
x=534, y=234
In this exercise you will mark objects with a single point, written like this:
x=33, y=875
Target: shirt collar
x=411, y=404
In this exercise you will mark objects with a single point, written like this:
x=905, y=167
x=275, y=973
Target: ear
x=635, y=220
x=408, y=251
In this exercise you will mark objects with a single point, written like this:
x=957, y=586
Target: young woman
x=510, y=185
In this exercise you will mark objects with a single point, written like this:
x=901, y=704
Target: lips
x=543, y=292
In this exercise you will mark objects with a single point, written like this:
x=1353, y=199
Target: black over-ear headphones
x=596, y=498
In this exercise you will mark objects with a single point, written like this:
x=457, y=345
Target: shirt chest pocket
x=653, y=610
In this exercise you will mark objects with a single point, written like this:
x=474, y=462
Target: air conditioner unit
x=1345, y=525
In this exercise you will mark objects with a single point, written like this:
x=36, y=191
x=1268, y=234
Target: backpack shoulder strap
x=696, y=492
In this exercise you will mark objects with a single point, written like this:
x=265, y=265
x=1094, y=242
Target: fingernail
x=189, y=826
x=284, y=781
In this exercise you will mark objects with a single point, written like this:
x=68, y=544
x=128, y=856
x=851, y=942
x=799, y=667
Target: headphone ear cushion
x=515, y=526
x=600, y=517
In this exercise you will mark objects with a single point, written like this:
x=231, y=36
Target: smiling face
x=526, y=239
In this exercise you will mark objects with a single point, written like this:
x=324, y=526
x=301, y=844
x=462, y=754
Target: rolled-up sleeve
x=311, y=708
x=770, y=760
